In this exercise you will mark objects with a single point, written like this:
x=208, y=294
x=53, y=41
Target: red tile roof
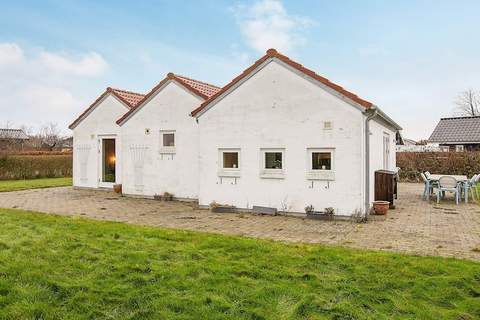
x=202, y=89
x=272, y=53
x=130, y=99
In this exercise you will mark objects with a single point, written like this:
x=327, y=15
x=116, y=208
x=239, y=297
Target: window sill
x=229, y=173
x=326, y=175
x=272, y=175
x=167, y=150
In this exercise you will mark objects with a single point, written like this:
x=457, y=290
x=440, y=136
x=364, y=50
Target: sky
x=410, y=58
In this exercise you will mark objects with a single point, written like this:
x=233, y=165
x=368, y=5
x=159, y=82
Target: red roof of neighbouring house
x=202, y=89
x=272, y=53
x=130, y=99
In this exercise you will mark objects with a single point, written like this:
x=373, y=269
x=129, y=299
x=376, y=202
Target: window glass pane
x=230, y=159
x=273, y=160
x=321, y=161
x=168, y=139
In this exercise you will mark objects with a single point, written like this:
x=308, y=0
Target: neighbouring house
x=96, y=151
x=278, y=135
x=12, y=139
x=160, y=139
x=457, y=134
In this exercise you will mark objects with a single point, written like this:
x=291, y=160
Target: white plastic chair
x=428, y=188
x=448, y=184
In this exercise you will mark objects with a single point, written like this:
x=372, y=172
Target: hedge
x=35, y=166
x=413, y=163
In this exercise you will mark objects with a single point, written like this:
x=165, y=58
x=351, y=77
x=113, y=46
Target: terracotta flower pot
x=381, y=207
x=117, y=188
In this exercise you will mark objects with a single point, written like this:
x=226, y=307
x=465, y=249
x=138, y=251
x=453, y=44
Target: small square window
x=321, y=164
x=273, y=160
x=272, y=163
x=230, y=160
x=169, y=139
x=321, y=161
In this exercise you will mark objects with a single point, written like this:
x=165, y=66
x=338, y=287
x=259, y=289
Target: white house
x=278, y=135
x=151, y=133
x=96, y=139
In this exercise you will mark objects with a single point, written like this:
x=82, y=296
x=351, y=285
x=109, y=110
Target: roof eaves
x=272, y=53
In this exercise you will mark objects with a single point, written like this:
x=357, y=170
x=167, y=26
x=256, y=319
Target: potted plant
x=326, y=214
x=117, y=188
x=381, y=207
x=329, y=212
x=167, y=196
x=221, y=208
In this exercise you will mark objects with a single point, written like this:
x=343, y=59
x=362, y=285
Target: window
x=321, y=161
x=167, y=141
x=229, y=162
x=459, y=148
x=273, y=160
x=321, y=164
x=272, y=163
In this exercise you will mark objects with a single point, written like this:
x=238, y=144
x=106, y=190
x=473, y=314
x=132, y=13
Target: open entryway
x=107, y=161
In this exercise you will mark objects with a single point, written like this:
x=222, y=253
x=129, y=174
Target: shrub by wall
x=35, y=166
x=413, y=163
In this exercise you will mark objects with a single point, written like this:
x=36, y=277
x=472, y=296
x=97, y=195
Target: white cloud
x=10, y=54
x=39, y=86
x=90, y=64
x=267, y=24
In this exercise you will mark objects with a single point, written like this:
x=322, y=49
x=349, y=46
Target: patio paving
x=415, y=226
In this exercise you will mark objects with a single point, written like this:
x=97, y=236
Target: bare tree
x=468, y=103
x=50, y=136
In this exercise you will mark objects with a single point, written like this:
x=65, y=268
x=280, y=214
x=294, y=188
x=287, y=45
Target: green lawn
x=54, y=267
x=16, y=185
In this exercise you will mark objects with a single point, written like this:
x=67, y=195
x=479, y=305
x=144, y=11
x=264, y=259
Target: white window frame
x=320, y=174
x=229, y=172
x=167, y=149
x=271, y=173
x=459, y=148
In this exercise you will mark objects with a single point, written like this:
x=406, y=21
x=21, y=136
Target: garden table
x=459, y=178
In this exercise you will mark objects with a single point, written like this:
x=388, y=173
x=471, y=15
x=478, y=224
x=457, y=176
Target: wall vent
x=327, y=125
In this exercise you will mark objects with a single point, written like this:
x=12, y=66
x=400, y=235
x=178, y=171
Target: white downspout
x=371, y=113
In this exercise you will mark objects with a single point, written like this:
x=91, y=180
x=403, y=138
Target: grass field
x=16, y=185
x=54, y=267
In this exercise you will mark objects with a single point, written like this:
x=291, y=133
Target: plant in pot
x=329, y=212
x=381, y=207
x=167, y=196
x=217, y=207
x=117, y=188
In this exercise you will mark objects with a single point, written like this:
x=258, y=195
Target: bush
x=35, y=166
x=413, y=163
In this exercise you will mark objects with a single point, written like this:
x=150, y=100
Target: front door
x=107, y=162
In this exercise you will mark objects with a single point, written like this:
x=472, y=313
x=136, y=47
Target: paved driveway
x=415, y=226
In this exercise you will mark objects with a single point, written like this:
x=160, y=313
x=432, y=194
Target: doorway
x=108, y=161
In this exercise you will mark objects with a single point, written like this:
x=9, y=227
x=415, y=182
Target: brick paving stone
x=415, y=226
